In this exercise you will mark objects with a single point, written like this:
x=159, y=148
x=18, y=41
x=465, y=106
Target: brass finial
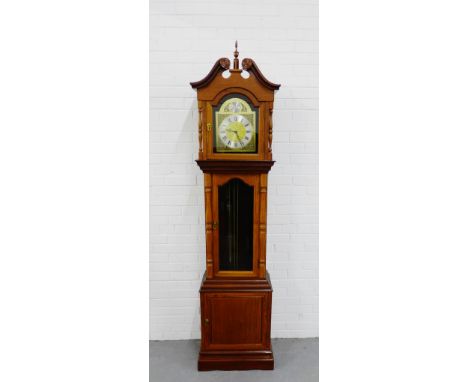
x=236, y=60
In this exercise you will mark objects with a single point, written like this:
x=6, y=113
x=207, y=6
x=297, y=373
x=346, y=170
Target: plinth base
x=236, y=361
x=236, y=321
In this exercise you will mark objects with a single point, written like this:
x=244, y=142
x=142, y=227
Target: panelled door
x=236, y=321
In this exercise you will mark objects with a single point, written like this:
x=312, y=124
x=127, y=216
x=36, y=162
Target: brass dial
x=235, y=127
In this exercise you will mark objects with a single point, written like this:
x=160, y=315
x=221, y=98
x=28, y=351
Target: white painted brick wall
x=186, y=37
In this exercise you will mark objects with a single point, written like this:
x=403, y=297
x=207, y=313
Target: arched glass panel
x=235, y=208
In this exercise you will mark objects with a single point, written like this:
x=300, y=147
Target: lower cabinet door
x=235, y=321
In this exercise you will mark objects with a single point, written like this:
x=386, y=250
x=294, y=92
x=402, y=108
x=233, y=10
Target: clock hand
x=238, y=138
x=234, y=131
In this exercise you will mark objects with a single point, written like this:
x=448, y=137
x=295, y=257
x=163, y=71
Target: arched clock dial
x=235, y=126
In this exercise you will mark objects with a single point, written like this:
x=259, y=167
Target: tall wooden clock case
x=235, y=154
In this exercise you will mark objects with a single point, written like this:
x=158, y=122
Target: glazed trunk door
x=235, y=225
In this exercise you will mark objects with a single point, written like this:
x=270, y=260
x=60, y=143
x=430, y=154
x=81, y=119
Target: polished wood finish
x=209, y=224
x=227, y=330
x=235, y=305
x=236, y=317
x=223, y=64
x=262, y=225
x=250, y=65
x=235, y=166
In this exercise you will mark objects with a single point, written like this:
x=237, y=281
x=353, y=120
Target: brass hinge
x=208, y=126
x=215, y=225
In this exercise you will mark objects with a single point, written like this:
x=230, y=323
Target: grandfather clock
x=235, y=143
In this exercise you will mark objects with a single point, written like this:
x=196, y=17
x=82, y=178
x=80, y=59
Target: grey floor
x=296, y=360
